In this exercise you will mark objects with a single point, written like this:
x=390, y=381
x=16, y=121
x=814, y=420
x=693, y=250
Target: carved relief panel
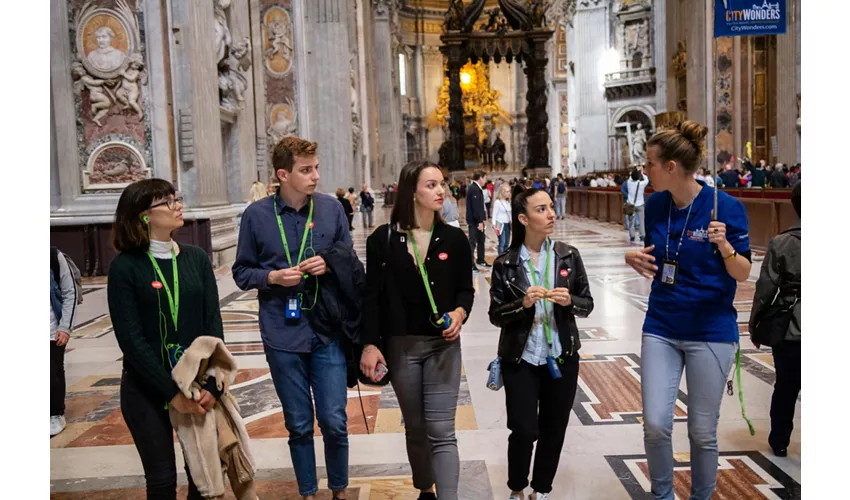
x=110, y=93
x=278, y=36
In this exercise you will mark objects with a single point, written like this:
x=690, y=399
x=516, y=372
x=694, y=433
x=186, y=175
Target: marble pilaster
x=591, y=43
x=786, y=95
x=659, y=11
x=389, y=108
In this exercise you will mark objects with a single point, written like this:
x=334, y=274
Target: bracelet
x=732, y=255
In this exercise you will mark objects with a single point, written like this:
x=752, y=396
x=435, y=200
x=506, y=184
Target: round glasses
x=171, y=203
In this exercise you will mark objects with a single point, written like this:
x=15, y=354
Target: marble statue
x=98, y=98
x=129, y=92
x=105, y=57
x=232, y=57
x=639, y=145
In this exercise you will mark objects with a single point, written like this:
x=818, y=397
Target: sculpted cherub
x=129, y=92
x=100, y=102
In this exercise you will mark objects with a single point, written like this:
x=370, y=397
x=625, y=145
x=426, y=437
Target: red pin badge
x=564, y=273
x=156, y=284
x=443, y=256
x=312, y=225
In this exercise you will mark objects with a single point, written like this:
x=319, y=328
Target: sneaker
x=57, y=424
x=475, y=269
x=516, y=496
x=780, y=453
x=541, y=496
x=483, y=264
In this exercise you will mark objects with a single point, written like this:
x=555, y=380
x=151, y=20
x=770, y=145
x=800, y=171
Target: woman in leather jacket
x=538, y=288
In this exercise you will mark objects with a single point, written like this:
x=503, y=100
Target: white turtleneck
x=162, y=249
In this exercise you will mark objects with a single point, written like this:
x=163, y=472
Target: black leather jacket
x=508, y=289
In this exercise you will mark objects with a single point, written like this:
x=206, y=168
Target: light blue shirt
x=536, y=348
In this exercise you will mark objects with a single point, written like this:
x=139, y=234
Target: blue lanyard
x=681, y=236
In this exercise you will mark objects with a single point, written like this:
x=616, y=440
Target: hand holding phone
x=380, y=372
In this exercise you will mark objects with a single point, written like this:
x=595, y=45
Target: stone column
x=326, y=26
x=786, y=95
x=363, y=20
x=203, y=179
x=591, y=113
x=261, y=172
x=659, y=12
x=389, y=105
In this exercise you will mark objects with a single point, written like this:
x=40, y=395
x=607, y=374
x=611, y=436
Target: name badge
x=669, y=272
x=293, y=307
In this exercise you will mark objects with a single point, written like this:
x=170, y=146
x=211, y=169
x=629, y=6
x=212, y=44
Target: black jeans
x=148, y=421
x=57, y=379
x=786, y=359
x=526, y=387
x=476, y=237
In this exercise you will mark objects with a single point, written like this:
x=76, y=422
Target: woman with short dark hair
x=694, y=261
x=418, y=295
x=539, y=287
x=162, y=296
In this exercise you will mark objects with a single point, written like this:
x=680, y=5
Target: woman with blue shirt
x=695, y=263
x=539, y=286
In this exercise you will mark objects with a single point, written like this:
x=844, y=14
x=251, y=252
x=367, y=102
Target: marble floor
x=603, y=456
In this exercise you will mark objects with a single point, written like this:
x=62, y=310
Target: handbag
x=772, y=322
x=361, y=377
x=629, y=208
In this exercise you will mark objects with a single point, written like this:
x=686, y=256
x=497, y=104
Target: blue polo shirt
x=260, y=251
x=700, y=305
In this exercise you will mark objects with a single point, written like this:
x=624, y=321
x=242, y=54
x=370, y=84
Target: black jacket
x=781, y=269
x=346, y=206
x=337, y=313
x=475, y=205
x=507, y=312
x=396, y=302
x=778, y=179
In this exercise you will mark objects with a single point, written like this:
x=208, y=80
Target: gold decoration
x=478, y=100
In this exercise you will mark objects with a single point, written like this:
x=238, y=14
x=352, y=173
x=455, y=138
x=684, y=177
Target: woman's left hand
x=717, y=232
x=560, y=296
x=453, y=331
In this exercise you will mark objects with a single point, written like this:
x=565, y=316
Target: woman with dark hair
x=418, y=295
x=346, y=207
x=539, y=288
x=162, y=296
x=694, y=262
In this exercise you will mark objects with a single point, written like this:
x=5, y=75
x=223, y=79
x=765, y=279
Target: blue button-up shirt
x=537, y=348
x=261, y=251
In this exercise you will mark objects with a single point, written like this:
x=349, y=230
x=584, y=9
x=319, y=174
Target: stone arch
x=618, y=115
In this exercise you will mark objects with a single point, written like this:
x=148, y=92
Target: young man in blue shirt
x=278, y=255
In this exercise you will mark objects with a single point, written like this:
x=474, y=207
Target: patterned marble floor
x=603, y=456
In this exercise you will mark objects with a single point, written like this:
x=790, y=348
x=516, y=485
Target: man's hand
x=315, y=266
x=286, y=277
x=481, y=226
x=62, y=338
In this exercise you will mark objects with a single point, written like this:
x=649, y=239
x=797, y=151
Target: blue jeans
x=708, y=364
x=561, y=205
x=504, y=238
x=294, y=375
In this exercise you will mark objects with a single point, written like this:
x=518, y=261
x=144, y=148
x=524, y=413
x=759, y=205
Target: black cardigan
x=396, y=301
x=135, y=313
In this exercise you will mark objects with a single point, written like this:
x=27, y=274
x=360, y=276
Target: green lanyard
x=173, y=300
x=303, y=237
x=546, y=327
x=422, y=271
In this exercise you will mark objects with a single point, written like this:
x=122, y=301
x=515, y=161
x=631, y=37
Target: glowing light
x=465, y=78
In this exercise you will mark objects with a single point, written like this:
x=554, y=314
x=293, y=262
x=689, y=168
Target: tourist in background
x=257, y=193
x=63, y=308
x=502, y=218
x=491, y=190
x=635, y=189
x=539, y=287
x=154, y=320
x=346, y=207
x=559, y=190
x=778, y=178
x=308, y=368
x=758, y=175
x=476, y=214
x=352, y=198
x=367, y=206
x=418, y=270
x=691, y=322
x=449, y=212
x=782, y=270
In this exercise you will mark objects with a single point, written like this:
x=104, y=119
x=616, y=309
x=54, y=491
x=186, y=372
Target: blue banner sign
x=749, y=17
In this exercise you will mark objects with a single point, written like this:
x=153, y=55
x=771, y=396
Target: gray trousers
x=639, y=212
x=425, y=375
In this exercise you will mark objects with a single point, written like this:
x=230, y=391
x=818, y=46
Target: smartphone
x=380, y=372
